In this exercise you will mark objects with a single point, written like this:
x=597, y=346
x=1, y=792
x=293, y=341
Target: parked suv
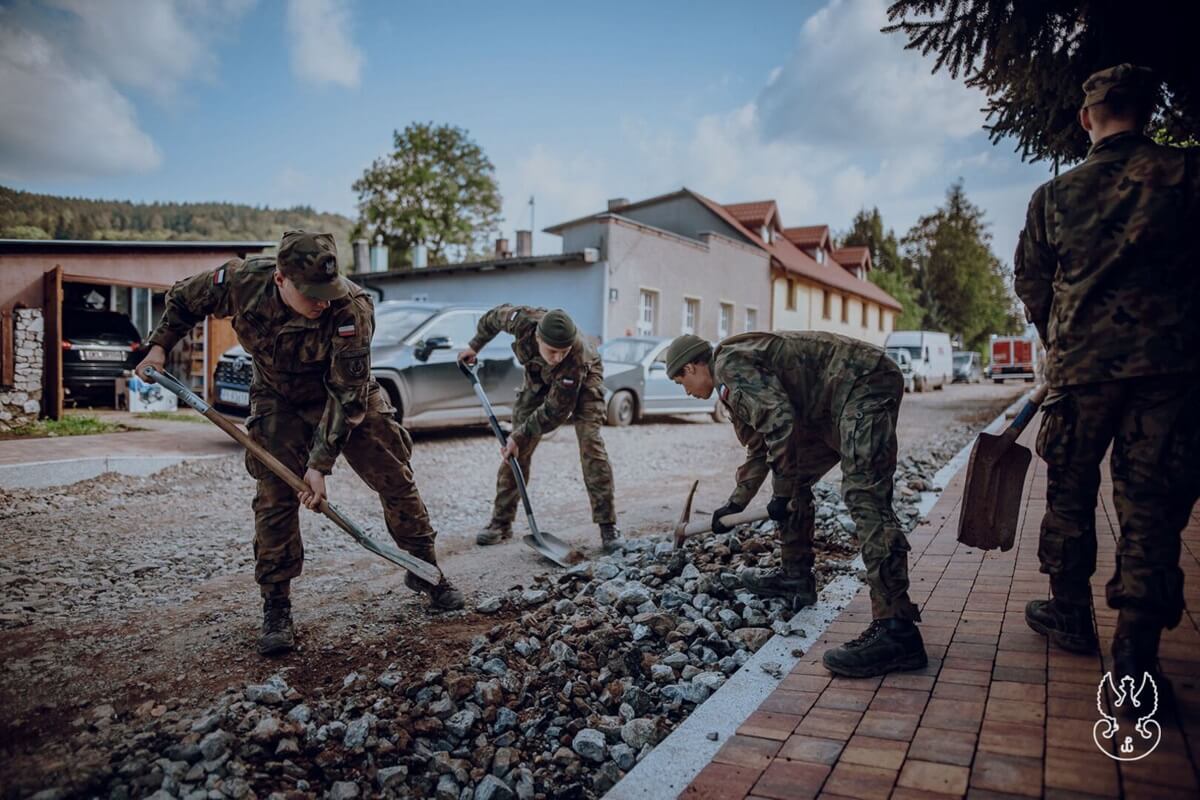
x=414, y=356
x=636, y=382
x=968, y=368
x=98, y=346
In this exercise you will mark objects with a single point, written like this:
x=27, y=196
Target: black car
x=414, y=359
x=98, y=347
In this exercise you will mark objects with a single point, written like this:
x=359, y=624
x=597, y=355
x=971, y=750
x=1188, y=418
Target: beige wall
x=809, y=312
x=713, y=271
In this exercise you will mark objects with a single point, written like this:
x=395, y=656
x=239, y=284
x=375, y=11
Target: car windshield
x=393, y=324
x=962, y=359
x=626, y=351
x=99, y=325
x=897, y=354
x=913, y=350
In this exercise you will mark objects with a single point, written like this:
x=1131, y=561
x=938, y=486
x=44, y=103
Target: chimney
x=362, y=255
x=420, y=256
x=524, y=243
x=379, y=255
x=502, y=250
x=617, y=203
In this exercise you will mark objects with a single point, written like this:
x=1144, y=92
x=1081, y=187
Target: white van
x=932, y=357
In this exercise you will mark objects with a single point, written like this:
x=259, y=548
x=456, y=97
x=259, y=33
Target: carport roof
x=17, y=245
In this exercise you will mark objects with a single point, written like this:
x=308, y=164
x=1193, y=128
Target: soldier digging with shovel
x=802, y=402
x=311, y=399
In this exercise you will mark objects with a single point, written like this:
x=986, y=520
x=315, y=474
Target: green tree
x=889, y=270
x=436, y=187
x=962, y=285
x=1031, y=59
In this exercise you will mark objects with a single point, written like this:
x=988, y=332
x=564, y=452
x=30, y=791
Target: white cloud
x=64, y=69
x=322, y=50
x=61, y=123
x=847, y=84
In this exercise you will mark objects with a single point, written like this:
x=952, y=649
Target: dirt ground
x=122, y=590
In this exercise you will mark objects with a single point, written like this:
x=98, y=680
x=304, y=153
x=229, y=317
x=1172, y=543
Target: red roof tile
x=856, y=256
x=755, y=214
x=793, y=260
x=808, y=235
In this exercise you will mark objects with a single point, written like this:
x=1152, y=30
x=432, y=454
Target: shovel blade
x=550, y=547
x=992, y=495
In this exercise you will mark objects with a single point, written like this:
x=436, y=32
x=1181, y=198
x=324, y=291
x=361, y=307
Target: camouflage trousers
x=587, y=418
x=1154, y=430
x=378, y=450
x=866, y=437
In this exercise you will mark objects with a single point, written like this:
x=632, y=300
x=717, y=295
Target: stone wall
x=21, y=403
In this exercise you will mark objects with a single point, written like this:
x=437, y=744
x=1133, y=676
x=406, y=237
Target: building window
x=845, y=309
x=864, y=314
x=820, y=255
x=724, y=320
x=882, y=314
x=791, y=295
x=751, y=319
x=647, y=313
x=691, y=314
x=766, y=234
x=826, y=302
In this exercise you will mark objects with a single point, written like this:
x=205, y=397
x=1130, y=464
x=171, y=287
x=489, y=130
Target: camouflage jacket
x=1108, y=264
x=578, y=377
x=781, y=388
x=298, y=362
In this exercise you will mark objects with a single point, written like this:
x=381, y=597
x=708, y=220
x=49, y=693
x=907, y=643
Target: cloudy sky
x=282, y=103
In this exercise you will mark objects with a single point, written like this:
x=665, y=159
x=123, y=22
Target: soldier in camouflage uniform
x=564, y=379
x=312, y=398
x=802, y=402
x=1108, y=267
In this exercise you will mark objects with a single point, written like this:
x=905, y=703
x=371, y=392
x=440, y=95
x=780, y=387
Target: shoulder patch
x=219, y=277
x=513, y=316
x=568, y=382
x=723, y=393
x=346, y=330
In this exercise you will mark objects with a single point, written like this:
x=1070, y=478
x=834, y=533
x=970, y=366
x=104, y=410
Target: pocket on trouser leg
x=1056, y=434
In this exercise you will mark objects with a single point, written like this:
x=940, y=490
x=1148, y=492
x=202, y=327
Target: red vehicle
x=1015, y=357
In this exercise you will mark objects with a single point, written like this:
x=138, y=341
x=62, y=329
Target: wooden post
x=52, y=378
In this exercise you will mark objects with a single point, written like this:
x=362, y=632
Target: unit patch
x=346, y=330
x=219, y=277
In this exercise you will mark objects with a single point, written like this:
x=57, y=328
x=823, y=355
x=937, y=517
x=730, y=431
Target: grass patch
x=70, y=425
x=173, y=416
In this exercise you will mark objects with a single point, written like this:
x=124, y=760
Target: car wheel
x=998, y=380
x=918, y=385
x=620, y=409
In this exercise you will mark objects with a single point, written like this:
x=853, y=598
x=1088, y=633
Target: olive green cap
x=309, y=260
x=1123, y=78
x=683, y=351
x=557, y=329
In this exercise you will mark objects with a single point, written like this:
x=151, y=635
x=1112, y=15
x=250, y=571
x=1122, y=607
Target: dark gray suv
x=414, y=358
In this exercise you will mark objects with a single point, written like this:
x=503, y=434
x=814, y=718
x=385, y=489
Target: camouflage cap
x=683, y=351
x=1125, y=78
x=309, y=260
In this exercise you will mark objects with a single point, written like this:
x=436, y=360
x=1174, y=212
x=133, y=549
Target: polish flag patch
x=346, y=330
x=219, y=277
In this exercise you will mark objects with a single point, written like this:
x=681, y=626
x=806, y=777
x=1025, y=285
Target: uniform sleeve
x=191, y=300
x=501, y=319
x=753, y=471
x=1034, y=265
x=765, y=408
x=346, y=384
x=560, y=401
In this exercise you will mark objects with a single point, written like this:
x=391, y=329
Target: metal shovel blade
x=991, y=501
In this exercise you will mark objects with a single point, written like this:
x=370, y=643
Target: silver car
x=636, y=383
x=414, y=358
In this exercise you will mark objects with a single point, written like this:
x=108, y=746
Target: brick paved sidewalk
x=996, y=714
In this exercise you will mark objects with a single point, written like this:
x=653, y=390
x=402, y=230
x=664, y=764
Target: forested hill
x=24, y=215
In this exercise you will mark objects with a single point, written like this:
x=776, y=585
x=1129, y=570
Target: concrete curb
x=43, y=474
x=677, y=760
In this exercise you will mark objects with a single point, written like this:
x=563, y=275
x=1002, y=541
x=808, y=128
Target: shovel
x=995, y=480
x=685, y=527
x=422, y=569
x=547, y=545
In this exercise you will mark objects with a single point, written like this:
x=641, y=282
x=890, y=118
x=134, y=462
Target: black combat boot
x=1066, y=625
x=799, y=589
x=1135, y=651
x=494, y=533
x=445, y=596
x=611, y=539
x=887, y=645
x=277, y=635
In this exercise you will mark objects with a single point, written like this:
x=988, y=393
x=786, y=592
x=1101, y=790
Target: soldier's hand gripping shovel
x=684, y=528
x=995, y=480
x=423, y=570
x=547, y=545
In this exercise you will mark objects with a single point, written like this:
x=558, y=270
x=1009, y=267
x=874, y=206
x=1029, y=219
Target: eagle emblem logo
x=1140, y=704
